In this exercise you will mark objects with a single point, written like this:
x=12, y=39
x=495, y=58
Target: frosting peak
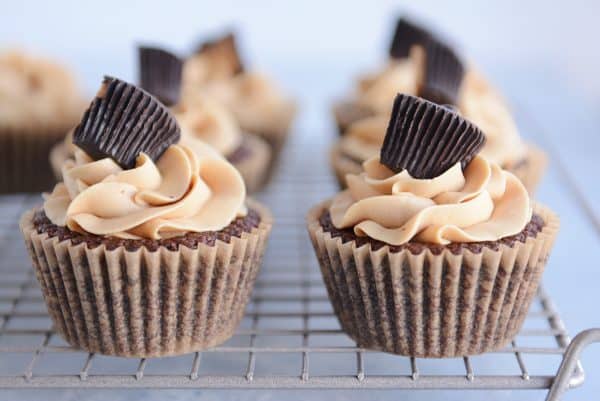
x=37, y=90
x=481, y=203
x=203, y=119
x=180, y=193
x=404, y=75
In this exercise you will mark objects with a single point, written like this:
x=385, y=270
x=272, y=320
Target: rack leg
x=569, y=362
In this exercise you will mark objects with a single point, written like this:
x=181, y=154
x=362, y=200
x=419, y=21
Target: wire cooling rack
x=289, y=337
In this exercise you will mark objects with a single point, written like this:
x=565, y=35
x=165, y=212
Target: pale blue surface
x=541, y=55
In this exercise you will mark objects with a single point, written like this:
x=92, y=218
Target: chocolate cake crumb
x=191, y=240
x=535, y=225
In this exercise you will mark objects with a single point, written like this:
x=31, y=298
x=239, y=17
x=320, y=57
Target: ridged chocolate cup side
x=443, y=74
x=428, y=305
x=124, y=120
x=160, y=74
x=255, y=167
x=427, y=139
x=142, y=303
x=24, y=152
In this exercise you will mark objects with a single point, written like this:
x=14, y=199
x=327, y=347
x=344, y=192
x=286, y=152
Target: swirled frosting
x=257, y=103
x=364, y=137
x=481, y=203
x=478, y=101
x=182, y=192
x=377, y=91
x=484, y=106
x=37, y=91
x=205, y=120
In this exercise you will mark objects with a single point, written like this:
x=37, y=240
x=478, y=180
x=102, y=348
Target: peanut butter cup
x=160, y=74
x=124, y=121
x=427, y=139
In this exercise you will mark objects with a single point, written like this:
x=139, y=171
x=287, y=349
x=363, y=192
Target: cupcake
x=258, y=104
x=146, y=248
x=39, y=103
x=433, y=250
x=203, y=121
x=421, y=64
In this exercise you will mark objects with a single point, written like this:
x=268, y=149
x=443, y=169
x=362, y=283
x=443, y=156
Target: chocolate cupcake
x=258, y=104
x=152, y=259
x=425, y=65
x=425, y=260
x=39, y=103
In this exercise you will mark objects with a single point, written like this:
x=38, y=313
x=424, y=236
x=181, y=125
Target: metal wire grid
x=289, y=337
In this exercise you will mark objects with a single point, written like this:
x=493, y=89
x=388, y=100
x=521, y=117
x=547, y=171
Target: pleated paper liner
x=142, y=303
x=531, y=171
x=255, y=167
x=24, y=165
x=428, y=305
x=342, y=165
x=347, y=112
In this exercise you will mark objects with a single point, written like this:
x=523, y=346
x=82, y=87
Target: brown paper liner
x=428, y=305
x=530, y=173
x=342, y=165
x=24, y=165
x=254, y=168
x=142, y=303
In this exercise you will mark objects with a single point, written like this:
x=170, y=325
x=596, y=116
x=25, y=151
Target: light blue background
x=542, y=54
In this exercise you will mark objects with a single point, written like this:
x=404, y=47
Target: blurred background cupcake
x=204, y=120
x=421, y=63
x=39, y=102
x=260, y=106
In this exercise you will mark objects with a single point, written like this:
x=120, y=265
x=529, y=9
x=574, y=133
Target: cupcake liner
x=427, y=305
x=24, y=165
x=254, y=168
x=531, y=171
x=347, y=112
x=143, y=303
x=342, y=165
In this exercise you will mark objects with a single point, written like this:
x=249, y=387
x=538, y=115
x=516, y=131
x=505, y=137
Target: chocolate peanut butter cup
x=225, y=49
x=406, y=35
x=427, y=139
x=443, y=73
x=160, y=74
x=124, y=121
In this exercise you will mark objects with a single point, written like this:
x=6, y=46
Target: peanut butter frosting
x=257, y=103
x=479, y=102
x=377, y=91
x=37, y=91
x=481, y=203
x=485, y=107
x=182, y=192
x=206, y=121
x=364, y=137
